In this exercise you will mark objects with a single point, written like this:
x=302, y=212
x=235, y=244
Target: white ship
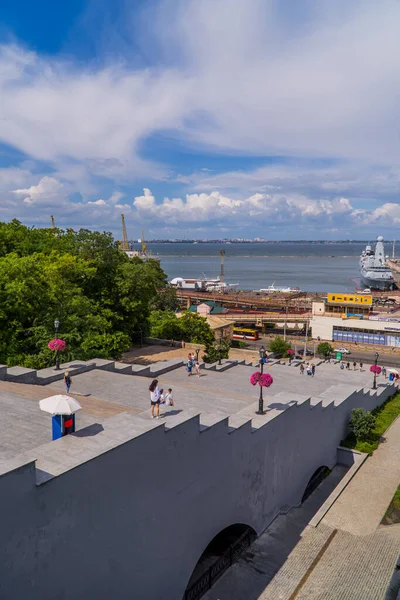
x=203, y=284
x=374, y=269
x=283, y=290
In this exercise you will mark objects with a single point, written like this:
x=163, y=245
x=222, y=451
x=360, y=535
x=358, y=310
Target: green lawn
x=392, y=515
x=385, y=414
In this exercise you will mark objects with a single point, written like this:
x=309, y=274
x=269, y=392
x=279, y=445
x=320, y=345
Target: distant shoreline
x=316, y=242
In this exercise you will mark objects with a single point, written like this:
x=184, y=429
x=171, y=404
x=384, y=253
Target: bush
x=215, y=351
x=324, y=349
x=238, y=344
x=362, y=423
x=279, y=346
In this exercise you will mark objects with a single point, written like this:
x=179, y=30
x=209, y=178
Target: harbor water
x=309, y=266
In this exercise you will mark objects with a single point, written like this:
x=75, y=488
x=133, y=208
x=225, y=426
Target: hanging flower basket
x=264, y=380
x=375, y=369
x=57, y=345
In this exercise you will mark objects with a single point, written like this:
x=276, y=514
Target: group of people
x=309, y=369
x=158, y=397
x=192, y=365
x=348, y=366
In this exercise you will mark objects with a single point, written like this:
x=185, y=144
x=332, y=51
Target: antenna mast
x=222, y=274
x=124, y=244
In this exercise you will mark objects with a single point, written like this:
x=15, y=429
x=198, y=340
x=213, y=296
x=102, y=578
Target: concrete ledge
x=120, y=367
x=3, y=372
x=141, y=370
x=104, y=364
x=330, y=501
x=158, y=369
x=21, y=375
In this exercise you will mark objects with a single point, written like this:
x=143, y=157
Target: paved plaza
x=103, y=394
x=226, y=393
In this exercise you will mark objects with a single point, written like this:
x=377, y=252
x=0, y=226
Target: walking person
x=312, y=370
x=384, y=372
x=354, y=365
x=348, y=366
x=155, y=397
x=361, y=366
x=67, y=381
x=341, y=366
x=197, y=367
x=301, y=369
x=308, y=369
x=189, y=365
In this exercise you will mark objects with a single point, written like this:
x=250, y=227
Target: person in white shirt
x=155, y=396
x=168, y=399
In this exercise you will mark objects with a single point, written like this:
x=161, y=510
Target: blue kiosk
x=62, y=425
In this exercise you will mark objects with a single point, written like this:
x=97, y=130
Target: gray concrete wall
x=132, y=522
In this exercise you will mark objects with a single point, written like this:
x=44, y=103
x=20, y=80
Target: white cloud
x=218, y=210
x=247, y=78
x=49, y=190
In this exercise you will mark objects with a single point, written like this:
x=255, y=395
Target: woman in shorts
x=155, y=396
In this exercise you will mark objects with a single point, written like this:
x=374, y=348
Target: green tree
x=166, y=299
x=279, y=346
x=215, y=351
x=165, y=325
x=324, y=349
x=195, y=329
x=101, y=297
x=362, y=423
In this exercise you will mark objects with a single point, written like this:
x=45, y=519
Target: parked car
x=342, y=350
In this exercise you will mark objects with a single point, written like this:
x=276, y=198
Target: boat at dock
x=279, y=289
x=375, y=271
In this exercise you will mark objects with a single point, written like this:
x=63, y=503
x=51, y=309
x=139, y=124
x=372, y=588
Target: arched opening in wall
x=318, y=476
x=223, y=550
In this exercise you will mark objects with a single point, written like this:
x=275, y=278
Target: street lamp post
x=260, y=410
x=56, y=327
x=376, y=362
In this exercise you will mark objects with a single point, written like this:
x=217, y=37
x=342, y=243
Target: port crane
x=124, y=245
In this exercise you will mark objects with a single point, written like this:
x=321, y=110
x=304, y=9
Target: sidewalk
x=363, y=503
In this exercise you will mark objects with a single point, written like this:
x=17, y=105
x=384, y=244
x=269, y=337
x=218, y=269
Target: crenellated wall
x=126, y=512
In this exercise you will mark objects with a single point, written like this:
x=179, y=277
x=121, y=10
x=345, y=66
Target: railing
x=213, y=573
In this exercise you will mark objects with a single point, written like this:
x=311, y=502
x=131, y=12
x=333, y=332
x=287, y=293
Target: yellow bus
x=244, y=333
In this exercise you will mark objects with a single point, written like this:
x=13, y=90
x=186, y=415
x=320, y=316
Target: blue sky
x=202, y=118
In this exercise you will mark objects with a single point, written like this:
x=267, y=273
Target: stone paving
x=225, y=393
x=24, y=426
x=361, y=506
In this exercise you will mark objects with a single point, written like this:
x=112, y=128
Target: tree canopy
x=324, y=349
x=190, y=327
x=279, y=346
x=101, y=297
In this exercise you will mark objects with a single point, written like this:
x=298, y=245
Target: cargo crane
x=124, y=245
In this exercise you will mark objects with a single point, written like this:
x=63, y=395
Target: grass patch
x=392, y=515
x=385, y=414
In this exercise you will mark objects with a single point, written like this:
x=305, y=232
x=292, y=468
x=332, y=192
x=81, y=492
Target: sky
x=199, y=119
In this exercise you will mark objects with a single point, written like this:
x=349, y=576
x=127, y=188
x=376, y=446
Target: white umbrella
x=59, y=405
x=394, y=371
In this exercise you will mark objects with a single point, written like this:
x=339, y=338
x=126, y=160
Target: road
x=385, y=359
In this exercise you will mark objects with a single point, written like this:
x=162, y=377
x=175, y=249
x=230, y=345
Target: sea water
x=311, y=267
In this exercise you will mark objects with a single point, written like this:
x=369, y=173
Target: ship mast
x=394, y=241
